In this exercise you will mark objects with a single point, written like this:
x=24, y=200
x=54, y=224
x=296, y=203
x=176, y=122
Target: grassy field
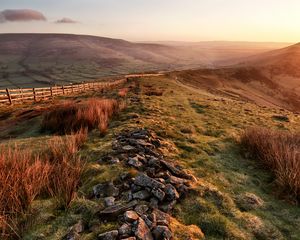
x=234, y=197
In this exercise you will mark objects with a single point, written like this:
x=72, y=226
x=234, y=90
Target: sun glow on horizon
x=140, y=20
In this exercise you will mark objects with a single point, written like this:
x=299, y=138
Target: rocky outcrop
x=141, y=204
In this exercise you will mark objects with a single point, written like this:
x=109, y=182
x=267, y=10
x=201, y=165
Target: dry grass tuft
x=71, y=117
x=278, y=151
x=123, y=92
x=59, y=147
x=22, y=178
x=64, y=180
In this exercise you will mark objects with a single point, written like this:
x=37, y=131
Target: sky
x=157, y=20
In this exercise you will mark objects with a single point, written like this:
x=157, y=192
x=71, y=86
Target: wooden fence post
x=63, y=89
x=34, y=95
x=72, y=87
x=8, y=96
x=51, y=92
x=22, y=96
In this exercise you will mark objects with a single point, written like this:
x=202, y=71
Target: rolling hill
x=28, y=60
x=269, y=79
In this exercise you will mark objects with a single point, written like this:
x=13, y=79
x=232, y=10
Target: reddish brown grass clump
x=123, y=92
x=22, y=177
x=278, y=151
x=71, y=117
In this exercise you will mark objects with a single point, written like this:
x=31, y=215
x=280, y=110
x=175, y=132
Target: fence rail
x=11, y=96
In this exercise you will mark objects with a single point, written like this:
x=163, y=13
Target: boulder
x=167, y=206
x=141, y=209
x=135, y=162
x=73, y=232
x=176, y=171
x=145, y=181
x=128, y=148
x=158, y=193
x=105, y=190
x=130, y=216
x=162, y=233
x=162, y=218
x=125, y=230
x=142, y=195
x=112, y=235
x=171, y=192
x=109, y=201
x=114, y=211
x=142, y=231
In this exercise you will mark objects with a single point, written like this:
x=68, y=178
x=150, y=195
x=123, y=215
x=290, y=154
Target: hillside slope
x=232, y=197
x=270, y=79
x=28, y=60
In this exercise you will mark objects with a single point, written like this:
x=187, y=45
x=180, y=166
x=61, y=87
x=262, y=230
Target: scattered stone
x=162, y=233
x=112, y=235
x=113, y=211
x=167, y=206
x=141, y=230
x=125, y=230
x=145, y=181
x=162, y=218
x=176, y=180
x=128, y=148
x=175, y=171
x=153, y=203
x=141, y=209
x=159, y=194
x=134, y=162
x=131, y=216
x=147, y=221
x=142, y=195
x=109, y=201
x=74, y=231
x=171, y=192
x=105, y=190
x=130, y=238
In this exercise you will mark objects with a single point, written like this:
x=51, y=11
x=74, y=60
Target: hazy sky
x=185, y=20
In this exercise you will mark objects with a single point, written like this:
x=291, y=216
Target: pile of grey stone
x=142, y=203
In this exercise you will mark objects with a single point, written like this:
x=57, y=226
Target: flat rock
x=171, y=192
x=135, y=162
x=109, y=201
x=159, y=194
x=125, y=230
x=112, y=235
x=162, y=233
x=131, y=216
x=175, y=171
x=142, y=231
x=142, y=195
x=145, y=181
x=105, y=190
x=114, y=211
x=141, y=209
x=128, y=148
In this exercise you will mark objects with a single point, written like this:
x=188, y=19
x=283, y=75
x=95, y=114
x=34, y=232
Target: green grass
x=201, y=133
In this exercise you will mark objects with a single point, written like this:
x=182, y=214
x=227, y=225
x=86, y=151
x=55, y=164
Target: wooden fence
x=11, y=96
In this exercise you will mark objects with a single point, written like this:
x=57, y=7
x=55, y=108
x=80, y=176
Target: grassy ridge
x=201, y=131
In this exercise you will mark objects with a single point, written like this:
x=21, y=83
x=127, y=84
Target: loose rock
x=112, y=235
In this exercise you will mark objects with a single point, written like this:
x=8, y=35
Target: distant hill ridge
x=28, y=60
